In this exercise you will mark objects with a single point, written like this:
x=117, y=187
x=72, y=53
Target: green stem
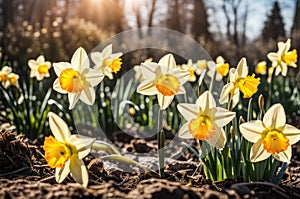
x=161, y=144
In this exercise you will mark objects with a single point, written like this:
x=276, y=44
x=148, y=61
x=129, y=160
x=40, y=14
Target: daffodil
x=239, y=81
x=283, y=58
x=13, y=79
x=107, y=62
x=76, y=79
x=163, y=79
x=5, y=71
x=221, y=68
x=261, y=68
x=39, y=68
x=272, y=136
x=194, y=68
x=137, y=69
x=205, y=120
x=65, y=152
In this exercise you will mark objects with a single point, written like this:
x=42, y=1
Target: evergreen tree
x=274, y=26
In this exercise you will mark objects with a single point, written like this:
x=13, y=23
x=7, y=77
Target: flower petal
x=272, y=57
x=188, y=111
x=284, y=156
x=219, y=139
x=40, y=59
x=88, y=95
x=206, y=101
x=225, y=93
x=58, y=127
x=62, y=173
x=164, y=101
x=150, y=70
x=32, y=64
x=242, y=68
x=107, y=51
x=275, y=117
x=184, y=132
x=223, y=116
x=57, y=87
x=252, y=130
x=94, y=77
x=292, y=133
x=73, y=98
x=258, y=153
x=58, y=67
x=168, y=61
x=79, y=57
x=147, y=88
x=97, y=58
x=83, y=144
x=79, y=171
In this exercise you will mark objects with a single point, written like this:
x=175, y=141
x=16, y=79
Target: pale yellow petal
x=58, y=67
x=242, y=68
x=79, y=58
x=224, y=97
x=272, y=56
x=97, y=58
x=223, y=117
x=147, y=88
x=83, y=144
x=184, y=132
x=258, y=153
x=107, y=51
x=206, y=101
x=62, y=173
x=292, y=133
x=275, y=117
x=252, y=130
x=40, y=59
x=73, y=98
x=164, y=101
x=219, y=139
x=284, y=156
x=168, y=61
x=57, y=87
x=79, y=171
x=58, y=127
x=88, y=95
x=150, y=70
x=188, y=111
x=94, y=77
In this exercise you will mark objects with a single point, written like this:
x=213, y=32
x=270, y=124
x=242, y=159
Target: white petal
x=242, y=68
x=40, y=59
x=272, y=57
x=62, y=173
x=225, y=93
x=6, y=69
x=258, y=153
x=168, y=61
x=284, y=69
x=58, y=67
x=57, y=87
x=94, y=77
x=182, y=75
x=97, y=58
x=116, y=55
x=292, y=133
x=88, y=95
x=83, y=144
x=73, y=98
x=164, y=101
x=284, y=156
x=278, y=69
x=58, y=127
x=235, y=97
x=219, y=139
x=184, y=132
x=79, y=58
x=252, y=130
x=223, y=117
x=147, y=88
x=107, y=51
x=188, y=111
x=150, y=70
x=79, y=171
x=32, y=64
x=206, y=101
x=275, y=117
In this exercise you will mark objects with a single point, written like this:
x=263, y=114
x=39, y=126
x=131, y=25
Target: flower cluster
x=8, y=78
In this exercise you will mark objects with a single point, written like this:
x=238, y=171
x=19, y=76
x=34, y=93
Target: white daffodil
x=5, y=71
x=77, y=79
x=193, y=68
x=39, y=68
x=107, y=62
x=272, y=136
x=283, y=58
x=239, y=81
x=137, y=69
x=221, y=68
x=205, y=120
x=65, y=152
x=163, y=79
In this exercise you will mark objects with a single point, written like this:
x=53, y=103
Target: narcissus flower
x=261, y=68
x=39, y=68
x=239, y=81
x=13, y=80
x=137, y=69
x=163, y=79
x=64, y=151
x=194, y=68
x=272, y=136
x=77, y=79
x=283, y=58
x=106, y=62
x=221, y=68
x=205, y=120
x=5, y=71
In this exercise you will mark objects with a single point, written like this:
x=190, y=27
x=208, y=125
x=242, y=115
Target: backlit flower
x=272, y=136
x=5, y=71
x=77, y=79
x=39, y=68
x=106, y=62
x=283, y=58
x=205, y=120
x=65, y=152
x=194, y=69
x=221, y=68
x=261, y=68
x=239, y=81
x=163, y=79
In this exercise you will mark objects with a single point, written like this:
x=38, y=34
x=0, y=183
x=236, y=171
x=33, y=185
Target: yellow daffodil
x=194, y=68
x=39, y=68
x=283, y=58
x=106, y=62
x=221, y=68
x=163, y=79
x=5, y=71
x=65, y=152
x=13, y=79
x=77, y=79
x=239, y=81
x=272, y=136
x=261, y=68
x=137, y=69
x=205, y=120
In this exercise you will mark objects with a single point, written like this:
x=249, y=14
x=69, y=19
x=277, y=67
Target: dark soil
x=25, y=174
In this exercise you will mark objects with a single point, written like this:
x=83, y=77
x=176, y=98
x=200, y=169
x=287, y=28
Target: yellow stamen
x=222, y=69
x=3, y=77
x=275, y=142
x=43, y=69
x=72, y=81
x=201, y=128
x=56, y=153
x=290, y=57
x=248, y=85
x=168, y=85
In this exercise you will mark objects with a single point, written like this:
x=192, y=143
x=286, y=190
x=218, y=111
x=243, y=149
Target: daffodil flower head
x=205, y=120
x=272, y=136
x=5, y=71
x=39, y=68
x=190, y=67
x=107, y=62
x=76, y=79
x=283, y=58
x=221, y=68
x=13, y=79
x=65, y=152
x=163, y=79
x=137, y=69
x=261, y=68
x=239, y=81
